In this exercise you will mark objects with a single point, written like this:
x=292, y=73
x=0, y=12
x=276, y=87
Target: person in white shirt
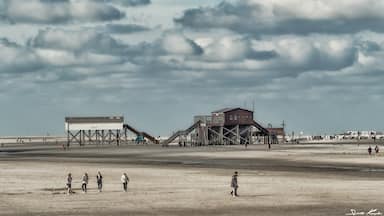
x=124, y=179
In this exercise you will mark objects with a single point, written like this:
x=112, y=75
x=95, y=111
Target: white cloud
x=320, y=53
x=59, y=11
x=279, y=56
x=227, y=49
x=60, y=58
x=176, y=43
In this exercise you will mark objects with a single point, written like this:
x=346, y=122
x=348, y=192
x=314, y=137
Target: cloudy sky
x=316, y=64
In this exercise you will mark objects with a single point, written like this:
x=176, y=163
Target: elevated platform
x=101, y=130
x=203, y=133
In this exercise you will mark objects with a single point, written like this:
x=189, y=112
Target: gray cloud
x=369, y=46
x=57, y=11
x=124, y=28
x=262, y=55
x=77, y=41
x=280, y=57
x=92, y=41
x=184, y=63
x=129, y=3
x=16, y=59
x=50, y=50
x=59, y=48
x=275, y=18
x=315, y=54
x=259, y=60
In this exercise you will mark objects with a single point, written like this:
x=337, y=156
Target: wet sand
x=289, y=180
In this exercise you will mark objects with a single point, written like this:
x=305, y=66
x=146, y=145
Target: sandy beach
x=288, y=180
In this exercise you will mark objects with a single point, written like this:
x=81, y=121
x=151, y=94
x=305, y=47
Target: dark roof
x=230, y=109
x=276, y=131
x=104, y=119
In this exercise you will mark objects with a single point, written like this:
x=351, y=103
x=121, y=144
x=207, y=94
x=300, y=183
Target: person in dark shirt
x=377, y=149
x=234, y=185
x=69, y=183
x=99, y=180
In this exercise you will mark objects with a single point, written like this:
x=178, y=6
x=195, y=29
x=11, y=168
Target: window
x=230, y=117
x=235, y=118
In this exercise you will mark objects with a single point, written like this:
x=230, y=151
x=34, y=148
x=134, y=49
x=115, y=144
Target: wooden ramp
x=181, y=133
x=261, y=128
x=141, y=133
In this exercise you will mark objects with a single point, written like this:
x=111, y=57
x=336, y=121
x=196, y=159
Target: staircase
x=141, y=133
x=181, y=133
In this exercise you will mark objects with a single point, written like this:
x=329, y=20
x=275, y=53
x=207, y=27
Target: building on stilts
x=229, y=126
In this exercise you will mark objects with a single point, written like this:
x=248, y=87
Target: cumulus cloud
x=176, y=43
x=17, y=59
x=58, y=49
x=71, y=46
x=173, y=51
x=275, y=17
x=234, y=49
x=228, y=62
x=320, y=53
x=77, y=41
x=278, y=57
x=57, y=11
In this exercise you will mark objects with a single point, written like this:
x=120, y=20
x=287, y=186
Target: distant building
x=228, y=126
x=232, y=116
x=278, y=134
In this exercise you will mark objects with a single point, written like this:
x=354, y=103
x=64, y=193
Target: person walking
x=234, y=185
x=69, y=184
x=124, y=179
x=99, y=180
x=369, y=150
x=377, y=149
x=84, y=183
